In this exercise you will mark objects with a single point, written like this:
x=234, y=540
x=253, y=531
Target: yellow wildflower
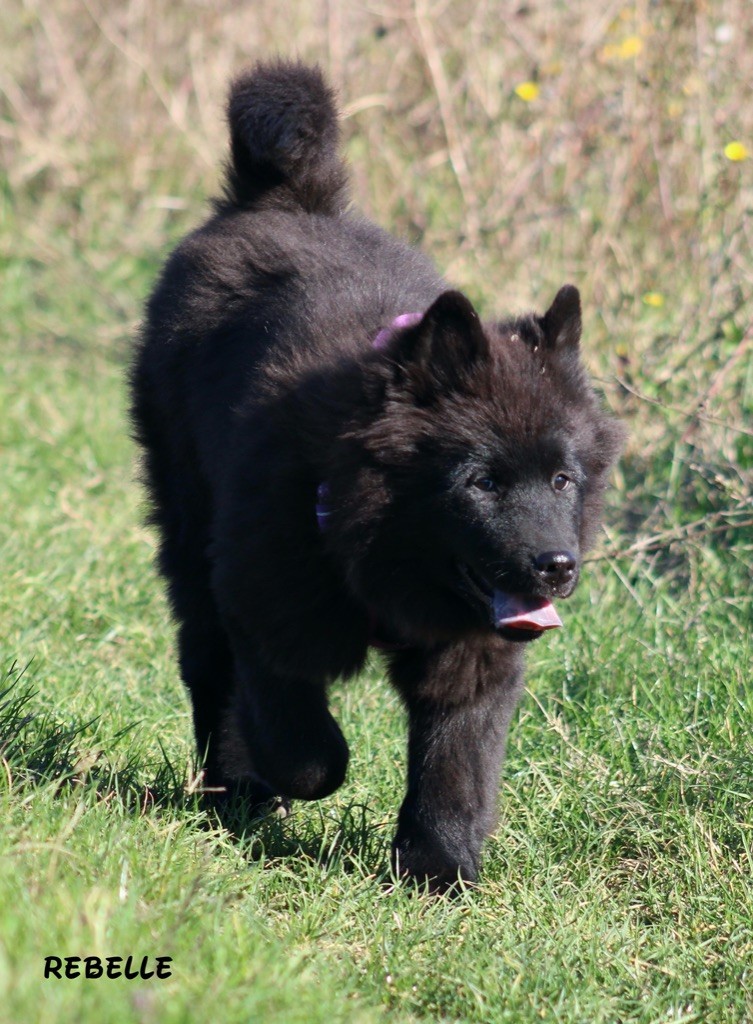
x=736, y=151
x=631, y=46
x=653, y=299
x=527, y=91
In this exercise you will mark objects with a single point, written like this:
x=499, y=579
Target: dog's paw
x=427, y=860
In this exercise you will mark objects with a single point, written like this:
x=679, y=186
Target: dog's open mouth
x=517, y=616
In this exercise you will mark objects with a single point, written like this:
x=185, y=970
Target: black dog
x=340, y=454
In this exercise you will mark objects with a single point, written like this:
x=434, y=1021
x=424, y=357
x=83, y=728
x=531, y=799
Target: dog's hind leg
x=204, y=653
x=457, y=729
x=206, y=663
x=207, y=668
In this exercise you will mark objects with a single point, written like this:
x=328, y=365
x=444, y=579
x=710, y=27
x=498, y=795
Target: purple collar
x=323, y=507
x=398, y=324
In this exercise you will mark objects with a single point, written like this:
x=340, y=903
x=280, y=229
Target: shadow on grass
x=38, y=750
x=343, y=838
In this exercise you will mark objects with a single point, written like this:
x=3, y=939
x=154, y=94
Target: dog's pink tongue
x=517, y=612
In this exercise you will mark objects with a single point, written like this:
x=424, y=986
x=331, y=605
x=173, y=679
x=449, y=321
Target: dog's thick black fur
x=462, y=466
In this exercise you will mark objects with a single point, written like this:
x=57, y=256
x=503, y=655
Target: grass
x=619, y=883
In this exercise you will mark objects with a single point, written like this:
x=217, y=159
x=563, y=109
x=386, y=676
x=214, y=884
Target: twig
x=659, y=540
x=452, y=134
x=714, y=420
x=162, y=95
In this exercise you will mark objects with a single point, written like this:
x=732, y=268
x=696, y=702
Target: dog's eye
x=486, y=484
x=561, y=482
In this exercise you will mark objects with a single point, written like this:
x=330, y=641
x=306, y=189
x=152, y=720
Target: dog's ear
x=561, y=323
x=440, y=353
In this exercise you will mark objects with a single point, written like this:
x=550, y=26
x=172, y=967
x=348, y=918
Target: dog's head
x=473, y=484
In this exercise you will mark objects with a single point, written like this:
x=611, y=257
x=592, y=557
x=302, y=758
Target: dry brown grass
x=613, y=177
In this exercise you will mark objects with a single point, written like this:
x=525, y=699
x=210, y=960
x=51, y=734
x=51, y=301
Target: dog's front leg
x=459, y=704
x=279, y=730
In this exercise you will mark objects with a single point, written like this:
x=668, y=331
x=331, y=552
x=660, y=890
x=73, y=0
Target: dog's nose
x=556, y=567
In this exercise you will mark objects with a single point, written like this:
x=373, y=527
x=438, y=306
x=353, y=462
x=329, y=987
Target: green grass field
x=618, y=886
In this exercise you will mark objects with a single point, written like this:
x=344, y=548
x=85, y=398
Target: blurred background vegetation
x=522, y=144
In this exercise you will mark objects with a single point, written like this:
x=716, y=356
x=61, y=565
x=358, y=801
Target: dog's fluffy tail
x=284, y=139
